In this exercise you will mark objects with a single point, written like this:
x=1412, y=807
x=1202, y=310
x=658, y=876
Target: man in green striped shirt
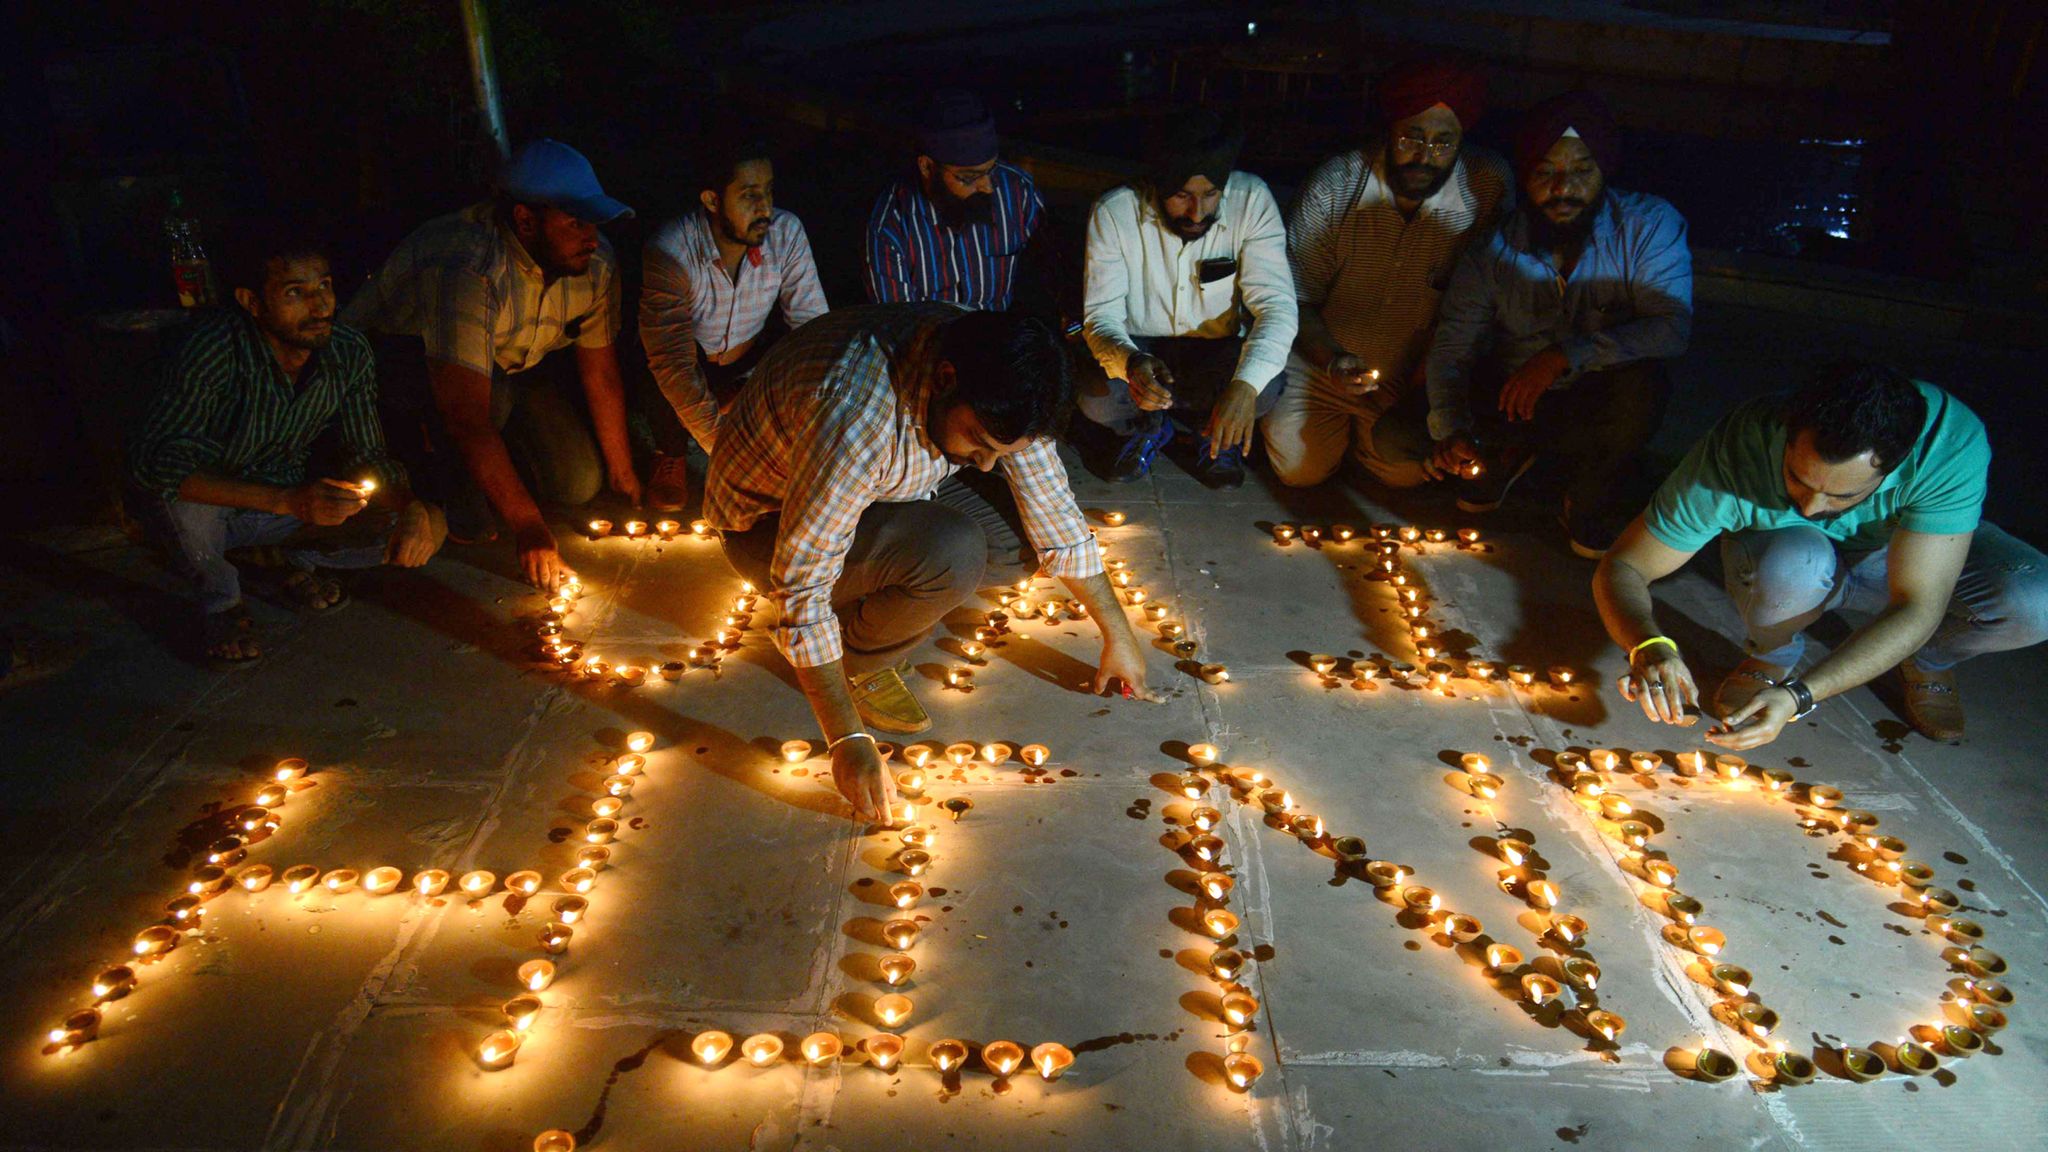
x=221, y=460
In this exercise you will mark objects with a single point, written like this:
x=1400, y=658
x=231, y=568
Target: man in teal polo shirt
x=1864, y=491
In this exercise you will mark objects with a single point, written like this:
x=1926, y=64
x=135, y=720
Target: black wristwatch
x=1802, y=696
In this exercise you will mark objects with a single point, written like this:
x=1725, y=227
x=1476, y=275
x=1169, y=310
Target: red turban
x=1419, y=85
x=1583, y=113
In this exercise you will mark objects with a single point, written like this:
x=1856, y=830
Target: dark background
x=1904, y=163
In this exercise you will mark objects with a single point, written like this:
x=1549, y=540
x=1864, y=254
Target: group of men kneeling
x=1412, y=312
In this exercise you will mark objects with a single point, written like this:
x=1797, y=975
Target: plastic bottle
x=188, y=256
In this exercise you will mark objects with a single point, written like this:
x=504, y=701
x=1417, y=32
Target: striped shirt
x=687, y=303
x=833, y=420
x=1375, y=275
x=224, y=406
x=913, y=255
x=1145, y=280
x=467, y=288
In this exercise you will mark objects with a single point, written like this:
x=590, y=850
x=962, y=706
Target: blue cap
x=550, y=173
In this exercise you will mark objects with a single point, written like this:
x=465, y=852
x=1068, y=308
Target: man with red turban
x=1372, y=241
x=1556, y=329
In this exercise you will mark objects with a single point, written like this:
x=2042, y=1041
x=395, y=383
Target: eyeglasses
x=1416, y=145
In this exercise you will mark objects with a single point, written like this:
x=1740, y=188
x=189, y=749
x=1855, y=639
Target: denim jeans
x=198, y=537
x=1202, y=367
x=1784, y=579
x=910, y=564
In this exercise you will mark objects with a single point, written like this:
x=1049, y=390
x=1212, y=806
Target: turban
x=1581, y=114
x=956, y=128
x=1197, y=144
x=1419, y=85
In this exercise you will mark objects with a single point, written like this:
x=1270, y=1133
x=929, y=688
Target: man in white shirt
x=714, y=278
x=1190, y=306
x=1374, y=236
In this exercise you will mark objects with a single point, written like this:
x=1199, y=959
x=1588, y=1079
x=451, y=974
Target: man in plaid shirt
x=834, y=488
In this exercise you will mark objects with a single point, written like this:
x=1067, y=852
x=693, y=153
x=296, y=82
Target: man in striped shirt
x=468, y=314
x=965, y=227
x=834, y=488
x=713, y=278
x=222, y=458
x=1373, y=238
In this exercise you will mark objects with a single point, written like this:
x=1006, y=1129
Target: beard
x=978, y=208
x=1419, y=181
x=1189, y=228
x=310, y=336
x=756, y=233
x=1548, y=234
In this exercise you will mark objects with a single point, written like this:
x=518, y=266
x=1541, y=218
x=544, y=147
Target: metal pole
x=484, y=71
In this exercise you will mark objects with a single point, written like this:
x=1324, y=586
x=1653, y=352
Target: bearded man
x=1558, y=328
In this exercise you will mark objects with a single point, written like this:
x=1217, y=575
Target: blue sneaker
x=1134, y=459
x=1224, y=470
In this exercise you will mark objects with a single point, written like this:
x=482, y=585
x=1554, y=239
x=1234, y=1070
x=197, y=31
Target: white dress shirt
x=1144, y=280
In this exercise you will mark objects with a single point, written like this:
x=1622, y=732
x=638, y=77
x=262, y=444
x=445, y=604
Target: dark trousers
x=1202, y=367
x=1598, y=427
x=542, y=414
x=910, y=563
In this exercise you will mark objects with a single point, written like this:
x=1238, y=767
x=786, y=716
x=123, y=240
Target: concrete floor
x=740, y=898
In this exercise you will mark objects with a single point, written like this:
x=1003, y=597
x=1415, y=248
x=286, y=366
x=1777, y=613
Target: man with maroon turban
x=1372, y=241
x=1555, y=331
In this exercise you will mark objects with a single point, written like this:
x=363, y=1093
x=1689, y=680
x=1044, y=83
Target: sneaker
x=1487, y=491
x=1134, y=460
x=1930, y=702
x=1742, y=685
x=1225, y=470
x=886, y=703
x=668, y=485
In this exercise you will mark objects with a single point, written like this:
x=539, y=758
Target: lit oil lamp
x=1226, y=963
x=1242, y=1070
x=339, y=880
x=300, y=878
x=113, y=983
x=1219, y=922
x=947, y=1055
x=821, y=1049
x=1034, y=755
x=555, y=937
x=498, y=1050
x=385, y=879
x=1569, y=930
x=711, y=1048
x=578, y=880
x=883, y=1050
x=478, y=884
x=1239, y=1009
x=901, y=934
x=761, y=1049
x=1052, y=1060
x=1705, y=940
x=254, y=878
x=1608, y=1024
x=896, y=968
x=1503, y=956
x=1582, y=973
x=795, y=751
x=1732, y=979
x=521, y=1012
x=1758, y=1020
x=1539, y=989
x=1002, y=1057
x=914, y=861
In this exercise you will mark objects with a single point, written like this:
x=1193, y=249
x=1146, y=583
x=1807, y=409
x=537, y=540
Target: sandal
x=231, y=629
x=311, y=592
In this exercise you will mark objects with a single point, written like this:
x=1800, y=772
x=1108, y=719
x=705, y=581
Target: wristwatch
x=1802, y=696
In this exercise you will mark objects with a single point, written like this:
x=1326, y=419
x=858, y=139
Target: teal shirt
x=1733, y=481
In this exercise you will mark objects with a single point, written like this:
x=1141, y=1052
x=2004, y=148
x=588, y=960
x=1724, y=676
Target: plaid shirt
x=832, y=421
x=688, y=302
x=468, y=289
x=912, y=255
x=225, y=406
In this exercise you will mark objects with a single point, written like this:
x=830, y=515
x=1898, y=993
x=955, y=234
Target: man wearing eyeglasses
x=1372, y=240
x=1555, y=331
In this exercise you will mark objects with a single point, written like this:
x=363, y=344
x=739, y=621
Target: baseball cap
x=551, y=173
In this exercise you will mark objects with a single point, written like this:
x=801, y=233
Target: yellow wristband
x=1652, y=640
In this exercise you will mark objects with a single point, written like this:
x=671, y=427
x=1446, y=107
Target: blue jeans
x=1202, y=368
x=1784, y=579
x=199, y=536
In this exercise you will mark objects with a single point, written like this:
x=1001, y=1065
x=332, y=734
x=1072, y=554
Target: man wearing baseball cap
x=466, y=316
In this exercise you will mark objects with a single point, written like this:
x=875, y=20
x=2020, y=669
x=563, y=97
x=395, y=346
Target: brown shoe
x=668, y=484
x=885, y=702
x=1930, y=701
x=1749, y=678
